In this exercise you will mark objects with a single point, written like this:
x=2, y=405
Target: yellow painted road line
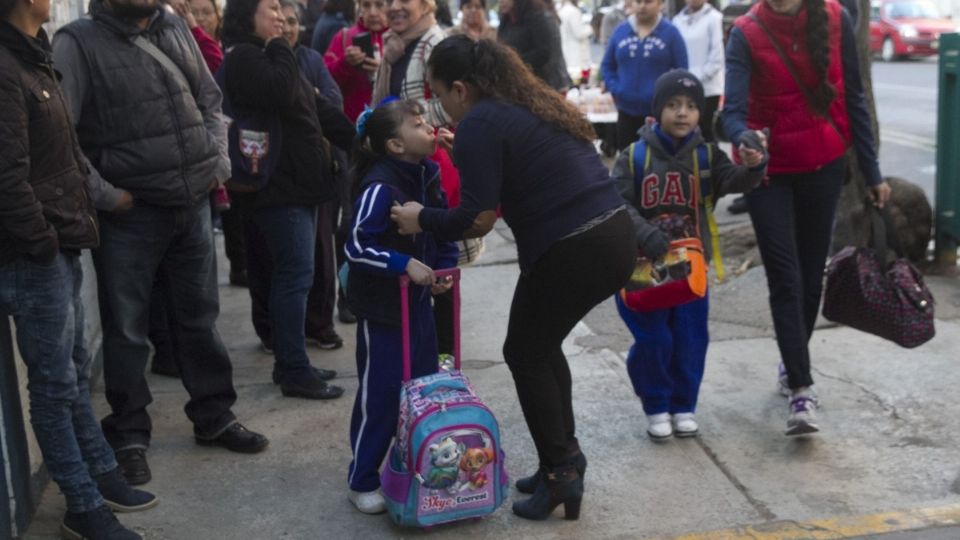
x=838, y=527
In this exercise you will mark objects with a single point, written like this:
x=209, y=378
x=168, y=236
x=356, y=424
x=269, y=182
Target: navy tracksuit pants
x=380, y=370
x=666, y=363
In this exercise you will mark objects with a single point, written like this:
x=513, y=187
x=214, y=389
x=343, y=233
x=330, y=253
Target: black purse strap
x=793, y=71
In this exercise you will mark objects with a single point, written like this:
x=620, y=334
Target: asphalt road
x=906, y=95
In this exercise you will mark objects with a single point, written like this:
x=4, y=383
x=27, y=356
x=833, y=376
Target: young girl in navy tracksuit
x=656, y=177
x=393, y=142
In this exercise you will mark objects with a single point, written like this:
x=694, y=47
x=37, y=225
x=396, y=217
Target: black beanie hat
x=677, y=82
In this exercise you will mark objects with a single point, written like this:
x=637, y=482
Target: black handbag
x=885, y=296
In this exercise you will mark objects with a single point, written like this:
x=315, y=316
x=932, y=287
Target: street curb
x=837, y=527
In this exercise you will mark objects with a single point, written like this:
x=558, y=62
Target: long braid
x=818, y=45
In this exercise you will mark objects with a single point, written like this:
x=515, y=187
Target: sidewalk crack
x=758, y=505
x=890, y=408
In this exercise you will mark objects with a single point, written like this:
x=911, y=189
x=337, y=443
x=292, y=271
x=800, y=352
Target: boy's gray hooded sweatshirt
x=666, y=186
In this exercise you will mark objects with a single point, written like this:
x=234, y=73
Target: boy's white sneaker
x=659, y=426
x=685, y=425
x=368, y=502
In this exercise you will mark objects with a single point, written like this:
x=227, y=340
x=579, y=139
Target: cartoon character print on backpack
x=473, y=464
x=445, y=465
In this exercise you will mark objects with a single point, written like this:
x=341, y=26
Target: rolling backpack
x=446, y=463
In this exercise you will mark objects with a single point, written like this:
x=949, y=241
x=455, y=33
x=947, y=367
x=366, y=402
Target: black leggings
x=793, y=218
x=572, y=277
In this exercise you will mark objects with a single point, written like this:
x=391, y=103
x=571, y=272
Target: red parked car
x=902, y=28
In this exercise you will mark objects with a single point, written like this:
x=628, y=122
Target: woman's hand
x=370, y=65
x=354, y=55
x=445, y=139
x=182, y=8
x=420, y=273
x=407, y=217
x=441, y=285
x=880, y=194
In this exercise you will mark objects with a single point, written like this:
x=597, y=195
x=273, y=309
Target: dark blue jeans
x=289, y=234
x=793, y=218
x=134, y=246
x=45, y=303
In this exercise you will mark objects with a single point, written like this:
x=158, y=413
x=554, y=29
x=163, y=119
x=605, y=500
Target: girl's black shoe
x=528, y=484
x=559, y=485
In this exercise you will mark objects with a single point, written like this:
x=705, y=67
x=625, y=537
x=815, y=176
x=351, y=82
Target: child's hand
x=445, y=139
x=751, y=158
x=753, y=147
x=420, y=273
x=441, y=285
x=407, y=217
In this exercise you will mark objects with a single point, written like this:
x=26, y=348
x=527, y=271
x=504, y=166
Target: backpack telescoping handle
x=405, y=318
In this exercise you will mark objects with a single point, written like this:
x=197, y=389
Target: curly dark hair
x=238, y=20
x=818, y=45
x=382, y=125
x=496, y=71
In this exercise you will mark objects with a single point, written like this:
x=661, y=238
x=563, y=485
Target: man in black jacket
x=148, y=118
x=46, y=219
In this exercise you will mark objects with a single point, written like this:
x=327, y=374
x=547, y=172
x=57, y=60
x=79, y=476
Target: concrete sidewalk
x=887, y=456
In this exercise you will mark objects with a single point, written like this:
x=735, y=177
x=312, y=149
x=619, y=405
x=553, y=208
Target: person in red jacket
x=792, y=67
x=351, y=68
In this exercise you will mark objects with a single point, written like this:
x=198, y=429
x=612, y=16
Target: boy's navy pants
x=666, y=362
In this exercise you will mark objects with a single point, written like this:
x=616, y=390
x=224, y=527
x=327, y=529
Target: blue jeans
x=134, y=246
x=45, y=303
x=666, y=363
x=290, y=234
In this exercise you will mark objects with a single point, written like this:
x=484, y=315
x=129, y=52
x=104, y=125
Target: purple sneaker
x=803, y=415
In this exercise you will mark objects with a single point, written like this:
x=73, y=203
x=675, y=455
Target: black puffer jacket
x=44, y=203
x=267, y=77
x=155, y=133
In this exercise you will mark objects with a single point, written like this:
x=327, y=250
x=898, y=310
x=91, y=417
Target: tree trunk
x=852, y=227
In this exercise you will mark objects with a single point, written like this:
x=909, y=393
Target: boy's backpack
x=640, y=156
x=254, y=138
x=446, y=463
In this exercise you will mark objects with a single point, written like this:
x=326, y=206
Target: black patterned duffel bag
x=881, y=295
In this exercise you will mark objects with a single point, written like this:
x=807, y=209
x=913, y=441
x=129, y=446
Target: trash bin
x=947, y=214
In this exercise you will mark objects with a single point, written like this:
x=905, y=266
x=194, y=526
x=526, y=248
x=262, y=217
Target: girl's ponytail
x=374, y=128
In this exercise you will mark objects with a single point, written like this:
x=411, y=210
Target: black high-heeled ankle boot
x=559, y=485
x=528, y=484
